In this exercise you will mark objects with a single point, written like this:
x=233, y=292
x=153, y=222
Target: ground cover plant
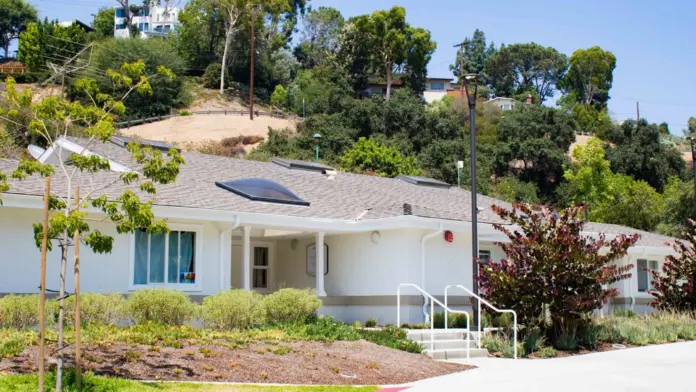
x=244, y=338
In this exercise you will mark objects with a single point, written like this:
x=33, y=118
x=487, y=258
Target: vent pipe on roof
x=330, y=174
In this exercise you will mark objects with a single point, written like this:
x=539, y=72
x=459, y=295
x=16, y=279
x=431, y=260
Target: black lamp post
x=693, y=165
x=471, y=80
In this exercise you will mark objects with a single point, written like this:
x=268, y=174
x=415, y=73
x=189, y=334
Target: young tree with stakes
x=553, y=275
x=67, y=225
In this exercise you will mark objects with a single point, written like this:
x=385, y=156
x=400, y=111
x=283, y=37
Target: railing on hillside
x=433, y=301
x=481, y=300
x=130, y=123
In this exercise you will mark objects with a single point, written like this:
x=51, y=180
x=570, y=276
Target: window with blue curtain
x=120, y=13
x=437, y=86
x=164, y=258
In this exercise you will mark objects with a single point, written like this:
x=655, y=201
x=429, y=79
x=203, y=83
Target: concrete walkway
x=667, y=367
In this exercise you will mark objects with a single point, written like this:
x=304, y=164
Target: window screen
x=484, y=256
x=642, y=275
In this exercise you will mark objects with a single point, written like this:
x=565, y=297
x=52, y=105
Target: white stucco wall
x=20, y=258
x=433, y=95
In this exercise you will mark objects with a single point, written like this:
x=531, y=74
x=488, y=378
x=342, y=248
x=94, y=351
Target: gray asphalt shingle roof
x=346, y=197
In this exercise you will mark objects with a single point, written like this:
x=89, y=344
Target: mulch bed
x=341, y=362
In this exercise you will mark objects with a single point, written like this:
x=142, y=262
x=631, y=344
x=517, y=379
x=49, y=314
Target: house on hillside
x=435, y=88
x=87, y=28
x=267, y=225
x=151, y=20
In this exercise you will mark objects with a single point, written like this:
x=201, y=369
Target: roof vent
x=122, y=141
x=296, y=164
x=423, y=181
x=260, y=189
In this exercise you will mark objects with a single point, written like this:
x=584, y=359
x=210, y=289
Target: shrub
x=100, y=309
x=624, y=313
x=233, y=309
x=279, y=98
x=391, y=337
x=572, y=271
x=502, y=344
x=371, y=322
x=454, y=320
x=19, y=311
x=185, y=113
x=159, y=306
x=326, y=329
x=656, y=328
x=675, y=285
x=211, y=76
x=291, y=305
x=547, y=352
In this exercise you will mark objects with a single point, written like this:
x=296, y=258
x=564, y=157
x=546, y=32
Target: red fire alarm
x=449, y=237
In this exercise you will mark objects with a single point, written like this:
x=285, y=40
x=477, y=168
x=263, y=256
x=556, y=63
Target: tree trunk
x=389, y=81
x=7, y=50
x=61, y=309
x=228, y=39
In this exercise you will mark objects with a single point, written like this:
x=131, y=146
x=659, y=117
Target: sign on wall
x=312, y=260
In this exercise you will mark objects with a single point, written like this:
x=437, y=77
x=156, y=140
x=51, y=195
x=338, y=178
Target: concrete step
x=422, y=335
x=456, y=344
x=443, y=355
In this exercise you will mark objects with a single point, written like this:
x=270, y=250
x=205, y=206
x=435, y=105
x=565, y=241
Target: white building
x=503, y=103
x=436, y=88
x=152, y=21
x=263, y=226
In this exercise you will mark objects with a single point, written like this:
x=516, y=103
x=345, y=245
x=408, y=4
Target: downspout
x=222, y=249
x=423, y=240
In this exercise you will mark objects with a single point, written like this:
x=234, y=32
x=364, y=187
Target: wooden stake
x=42, y=288
x=76, y=244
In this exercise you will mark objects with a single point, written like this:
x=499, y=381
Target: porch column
x=246, y=258
x=320, y=265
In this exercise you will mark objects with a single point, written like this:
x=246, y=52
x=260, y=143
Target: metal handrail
x=432, y=318
x=480, y=300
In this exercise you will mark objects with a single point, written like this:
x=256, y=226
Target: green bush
x=233, y=309
x=656, y=328
x=502, y=344
x=100, y=309
x=185, y=113
x=291, y=305
x=211, y=76
x=159, y=306
x=371, y=322
x=547, y=352
x=19, y=311
x=392, y=337
x=624, y=313
x=533, y=341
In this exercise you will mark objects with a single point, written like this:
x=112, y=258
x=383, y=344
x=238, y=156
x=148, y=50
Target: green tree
x=46, y=41
x=679, y=207
x=636, y=150
x=167, y=93
x=236, y=12
x=476, y=54
x=522, y=68
x=394, y=44
x=200, y=35
x=691, y=126
x=419, y=52
x=533, y=145
x=512, y=190
x=632, y=203
x=589, y=178
x=68, y=216
x=590, y=76
x=320, y=36
x=103, y=22
x=367, y=156
x=279, y=98
x=15, y=15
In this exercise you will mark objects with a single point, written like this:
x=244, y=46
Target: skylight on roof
x=123, y=141
x=423, y=181
x=260, y=189
x=301, y=165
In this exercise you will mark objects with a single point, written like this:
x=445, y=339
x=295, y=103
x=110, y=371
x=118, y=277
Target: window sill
x=177, y=287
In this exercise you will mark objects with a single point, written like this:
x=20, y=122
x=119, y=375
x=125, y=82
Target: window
x=120, y=13
x=165, y=259
x=484, y=256
x=437, y=86
x=644, y=278
x=312, y=259
x=260, y=271
x=120, y=26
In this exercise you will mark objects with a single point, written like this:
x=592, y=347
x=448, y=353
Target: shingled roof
x=346, y=197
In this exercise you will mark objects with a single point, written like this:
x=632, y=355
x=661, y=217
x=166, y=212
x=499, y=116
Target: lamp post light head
x=317, y=137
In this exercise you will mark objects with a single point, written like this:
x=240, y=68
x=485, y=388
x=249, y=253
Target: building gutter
x=223, y=233
x=424, y=239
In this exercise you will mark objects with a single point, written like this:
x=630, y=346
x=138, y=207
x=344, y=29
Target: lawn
x=21, y=383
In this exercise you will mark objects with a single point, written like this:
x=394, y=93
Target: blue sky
x=651, y=39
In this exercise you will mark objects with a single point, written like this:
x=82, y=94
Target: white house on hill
x=151, y=20
x=263, y=226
